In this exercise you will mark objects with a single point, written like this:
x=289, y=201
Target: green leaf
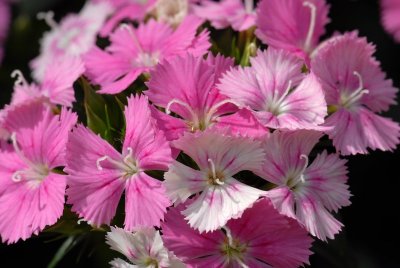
x=68, y=244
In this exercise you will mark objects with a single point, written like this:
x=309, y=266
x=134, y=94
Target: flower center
x=214, y=177
x=233, y=249
x=349, y=99
x=199, y=120
x=147, y=59
x=276, y=105
x=128, y=165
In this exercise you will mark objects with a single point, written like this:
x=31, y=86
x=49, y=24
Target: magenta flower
x=305, y=192
x=143, y=248
x=31, y=192
x=56, y=86
x=99, y=174
x=238, y=14
x=355, y=88
x=72, y=37
x=277, y=91
x=134, y=51
x=293, y=25
x=219, y=158
x=391, y=17
x=261, y=237
x=187, y=86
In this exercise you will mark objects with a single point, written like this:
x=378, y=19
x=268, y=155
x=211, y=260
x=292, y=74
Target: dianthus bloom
x=219, y=158
x=277, y=91
x=187, y=86
x=305, y=192
x=56, y=86
x=99, y=174
x=261, y=237
x=355, y=89
x=143, y=248
x=134, y=51
x=72, y=37
x=391, y=17
x=293, y=25
x=235, y=13
x=31, y=189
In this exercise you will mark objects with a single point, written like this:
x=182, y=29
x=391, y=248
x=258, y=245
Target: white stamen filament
x=18, y=150
x=17, y=176
x=127, y=27
x=311, y=28
x=20, y=79
x=48, y=17
x=305, y=157
x=129, y=155
x=127, y=164
x=214, y=173
x=357, y=94
x=216, y=106
x=249, y=5
x=228, y=235
x=275, y=105
x=98, y=161
x=185, y=105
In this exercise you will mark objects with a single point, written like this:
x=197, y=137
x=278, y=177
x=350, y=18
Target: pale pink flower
x=143, y=248
x=31, y=192
x=134, y=51
x=355, y=88
x=390, y=10
x=5, y=17
x=56, y=86
x=293, y=25
x=99, y=174
x=261, y=237
x=219, y=157
x=305, y=192
x=238, y=14
x=277, y=91
x=73, y=36
x=187, y=86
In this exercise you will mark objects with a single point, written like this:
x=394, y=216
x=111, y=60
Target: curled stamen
x=185, y=105
x=20, y=79
x=219, y=182
x=129, y=155
x=275, y=104
x=98, y=162
x=17, y=176
x=311, y=28
x=80, y=221
x=358, y=93
x=218, y=105
x=228, y=235
x=48, y=17
x=305, y=157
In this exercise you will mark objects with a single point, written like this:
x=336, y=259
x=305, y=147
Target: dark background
x=370, y=238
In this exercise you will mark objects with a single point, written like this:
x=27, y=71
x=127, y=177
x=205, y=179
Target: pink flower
x=187, y=86
x=134, y=51
x=305, y=192
x=144, y=248
x=236, y=13
x=56, y=86
x=74, y=36
x=5, y=16
x=355, y=88
x=391, y=17
x=99, y=174
x=261, y=237
x=293, y=25
x=31, y=191
x=219, y=158
x=276, y=89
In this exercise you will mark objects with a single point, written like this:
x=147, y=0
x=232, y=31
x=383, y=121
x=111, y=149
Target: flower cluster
x=203, y=156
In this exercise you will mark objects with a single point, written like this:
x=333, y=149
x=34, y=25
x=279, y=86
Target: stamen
x=185, y=105
x=313, y=18
x=129, y=155
x=219, y=182
x=360, y=80
x=17, y=176
x=241, y=263
x=228, y=235
x=48, y=17
x=212, y=165
x=305, y=157
x=249, y=5
x=275, y=104
x=357, y=94
x=20, y=79
x=98, y=161
x=218, y=105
